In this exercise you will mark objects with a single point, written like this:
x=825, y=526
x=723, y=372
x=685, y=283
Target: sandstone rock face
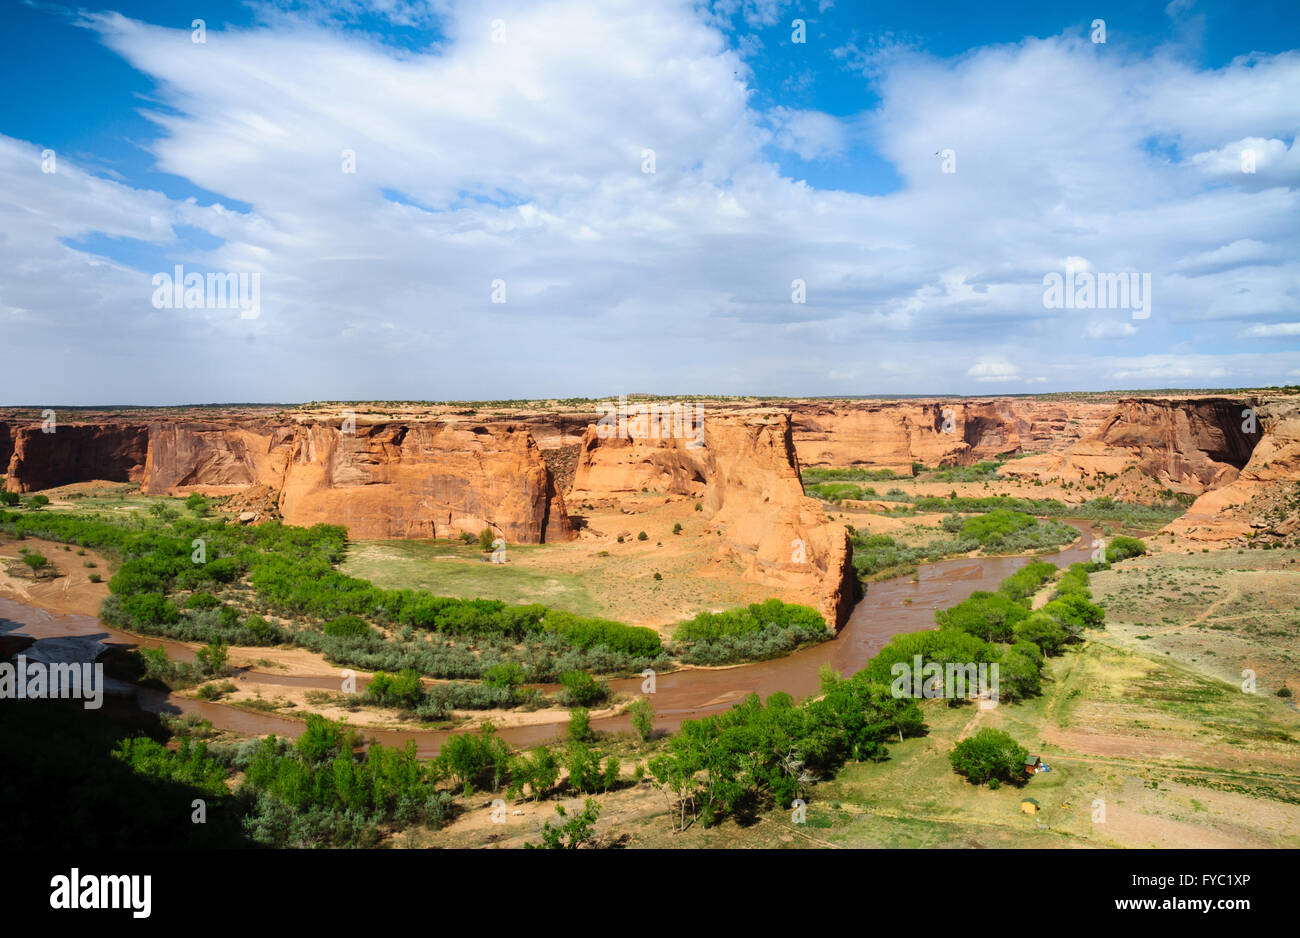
x=1222, y=513
x=214, y=458
x=894, y=434
x=777, y=532
x=409, y=479
x=746, y=475
x=6, y=443
x=614, y=465
x=75, y=453
x=1189, y=445
x=423, y=480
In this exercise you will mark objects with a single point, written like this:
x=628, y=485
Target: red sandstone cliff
x=895, y=434
x=423, y=480
x=1189, y=445
x=74, y=453
x=746, y=474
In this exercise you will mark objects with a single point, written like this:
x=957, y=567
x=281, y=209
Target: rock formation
x=75, y=453
x=1261, y=498
x=895, y=434
x=423, y=480
x=1188, y=445
x=746, y=475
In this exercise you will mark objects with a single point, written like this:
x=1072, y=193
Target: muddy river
x=905, y=604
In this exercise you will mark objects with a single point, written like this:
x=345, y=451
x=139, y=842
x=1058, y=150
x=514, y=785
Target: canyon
x=388, y=471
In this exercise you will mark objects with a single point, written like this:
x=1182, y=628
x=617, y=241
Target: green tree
x=580, y=724
x=989, y=754
x=37, y=502
x=213, y=657
x=485, y=539
x=642, y=712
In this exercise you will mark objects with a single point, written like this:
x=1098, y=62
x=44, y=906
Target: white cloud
x=1273, y=329
x=523, y=163
x=997, y=369
x=1109, y=329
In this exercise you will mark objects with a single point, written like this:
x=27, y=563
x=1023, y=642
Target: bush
x=506, y=674
x=642, y=712
x=212, y=658
x=642, y=536
x=202, y=601
x=580, y=724
x=259, y=631
x=403, y=689
x=1122, y=548
x=485, y=539
x=581, y=689
x=989, y=754
x=346, y=627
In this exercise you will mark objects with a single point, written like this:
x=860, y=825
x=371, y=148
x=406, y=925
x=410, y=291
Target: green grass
x=450, y=568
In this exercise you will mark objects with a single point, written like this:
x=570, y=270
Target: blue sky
x=505, y=142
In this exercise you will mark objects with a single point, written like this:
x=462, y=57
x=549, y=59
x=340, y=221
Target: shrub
x=202, y=601
x=506, y=674
x=642, y=712
x=643, y=536
x=403, y=689
x=1122, y=548
x=346, y=627
x=581, y=689
x=580, y=724
x=989, y=754
x=213, y=657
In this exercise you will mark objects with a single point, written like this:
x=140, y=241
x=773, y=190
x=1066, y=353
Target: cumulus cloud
x=523, y=162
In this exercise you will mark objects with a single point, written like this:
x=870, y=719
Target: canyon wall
x=1260, y=498
x=75, y=453
x=746, y=475
x=1188, y=445
x=895, y=434
x=426, y=479
x=416, y=479
x=6, y=443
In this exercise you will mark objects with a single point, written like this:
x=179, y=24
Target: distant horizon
x=1120, y=392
